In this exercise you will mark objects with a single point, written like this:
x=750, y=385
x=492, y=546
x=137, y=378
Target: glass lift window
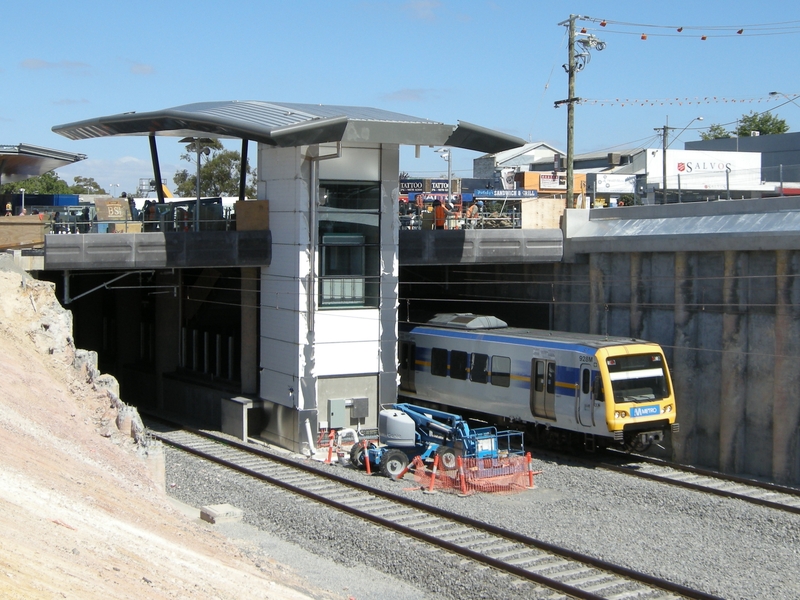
x=349, y=244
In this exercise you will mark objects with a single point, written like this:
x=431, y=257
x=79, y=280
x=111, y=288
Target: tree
x=219, y=173
x=49, y=183
x=86, y=185
x=764, y=123
x=715, y=132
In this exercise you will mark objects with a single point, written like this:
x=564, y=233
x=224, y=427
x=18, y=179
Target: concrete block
x=220, y=513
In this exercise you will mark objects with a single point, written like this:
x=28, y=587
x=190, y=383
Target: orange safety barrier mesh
x=324, y=439
x=508, y=475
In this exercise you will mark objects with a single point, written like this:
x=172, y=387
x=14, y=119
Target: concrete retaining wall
x=728, y=322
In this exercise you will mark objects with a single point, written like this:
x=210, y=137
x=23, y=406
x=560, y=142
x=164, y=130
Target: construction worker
x=439, y=214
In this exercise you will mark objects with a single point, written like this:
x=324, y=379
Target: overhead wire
x=547, y=83
x=715, y=307
x=681, y=30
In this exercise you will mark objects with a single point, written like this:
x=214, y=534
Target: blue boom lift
x=406, y=431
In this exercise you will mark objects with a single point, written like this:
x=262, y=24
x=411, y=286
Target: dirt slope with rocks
x=81, y=515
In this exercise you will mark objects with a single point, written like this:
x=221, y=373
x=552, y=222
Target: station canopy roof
x=22, y=161
x=290, y=124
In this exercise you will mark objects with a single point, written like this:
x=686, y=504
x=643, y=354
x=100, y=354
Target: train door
x=543, y=388
x=584, y=397
x=407, y=366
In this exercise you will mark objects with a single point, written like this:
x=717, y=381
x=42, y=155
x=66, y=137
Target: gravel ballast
x=724, y=547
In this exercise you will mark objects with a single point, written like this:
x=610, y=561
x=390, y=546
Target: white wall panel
x=288, y=229
x=347, y=326
x=283, y=325
x=287, y=194
x=347, y=358
x=281, y=356
x=279, y=163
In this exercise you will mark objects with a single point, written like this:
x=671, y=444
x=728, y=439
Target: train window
x=586, y=381
x=638, y=378
x=551, y=378
x=538, y=381
x=478, y=369
x=459, y=361
x=501, y=371
x=439, y=362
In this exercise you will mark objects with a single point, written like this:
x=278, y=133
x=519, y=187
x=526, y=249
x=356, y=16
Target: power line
x=690, y=31
x=683, y=101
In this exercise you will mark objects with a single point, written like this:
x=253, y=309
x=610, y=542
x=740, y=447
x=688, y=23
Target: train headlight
x=620, y=414
x=668, y=408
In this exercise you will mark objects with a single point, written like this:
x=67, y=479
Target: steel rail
x=629, y=470
x=520, y=572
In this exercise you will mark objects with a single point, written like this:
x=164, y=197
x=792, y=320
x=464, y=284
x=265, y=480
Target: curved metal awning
x=292, y=124
x=22, y=161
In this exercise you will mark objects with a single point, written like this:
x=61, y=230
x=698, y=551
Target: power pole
x=664, y=136
x=571, y=114
x=575, y=63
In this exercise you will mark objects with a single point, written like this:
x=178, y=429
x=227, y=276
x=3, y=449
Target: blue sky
x=495, y=63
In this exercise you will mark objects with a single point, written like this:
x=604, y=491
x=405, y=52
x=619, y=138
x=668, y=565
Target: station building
x=314, y=334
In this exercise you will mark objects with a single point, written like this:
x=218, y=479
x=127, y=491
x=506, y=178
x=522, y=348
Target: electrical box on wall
x=337, y=413
x=360, y=408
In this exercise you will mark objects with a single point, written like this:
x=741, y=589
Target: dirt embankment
x=80, y=513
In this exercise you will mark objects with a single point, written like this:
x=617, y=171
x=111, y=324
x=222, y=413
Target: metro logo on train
x=645, y=411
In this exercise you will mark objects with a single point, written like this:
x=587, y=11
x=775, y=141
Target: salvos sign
x=698, y=170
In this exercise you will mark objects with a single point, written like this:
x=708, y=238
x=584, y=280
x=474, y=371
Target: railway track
x=559, y=569
x=729, y=486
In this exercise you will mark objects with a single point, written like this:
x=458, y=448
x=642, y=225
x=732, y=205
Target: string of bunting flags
x=703, y=32
x=677, y=101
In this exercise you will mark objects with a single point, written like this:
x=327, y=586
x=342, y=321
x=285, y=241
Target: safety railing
x=510, y=219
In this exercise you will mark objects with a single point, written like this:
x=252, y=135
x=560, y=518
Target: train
x=563, y=389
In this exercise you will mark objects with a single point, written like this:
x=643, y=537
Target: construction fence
x=507, y=475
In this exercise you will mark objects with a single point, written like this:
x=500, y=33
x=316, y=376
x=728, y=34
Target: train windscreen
x=638, y=378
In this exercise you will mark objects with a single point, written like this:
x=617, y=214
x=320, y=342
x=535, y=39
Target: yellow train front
x=567, y=388
x=634, y=387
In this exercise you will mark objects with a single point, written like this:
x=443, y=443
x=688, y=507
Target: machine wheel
x=393, y=463
x=357, y=455
x=448, y=457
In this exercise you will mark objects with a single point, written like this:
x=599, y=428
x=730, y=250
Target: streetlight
x=792, y=100
x=665, y=144
x=112, y=186
x=22, y=210
x=197, y=145
x=445, y=154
